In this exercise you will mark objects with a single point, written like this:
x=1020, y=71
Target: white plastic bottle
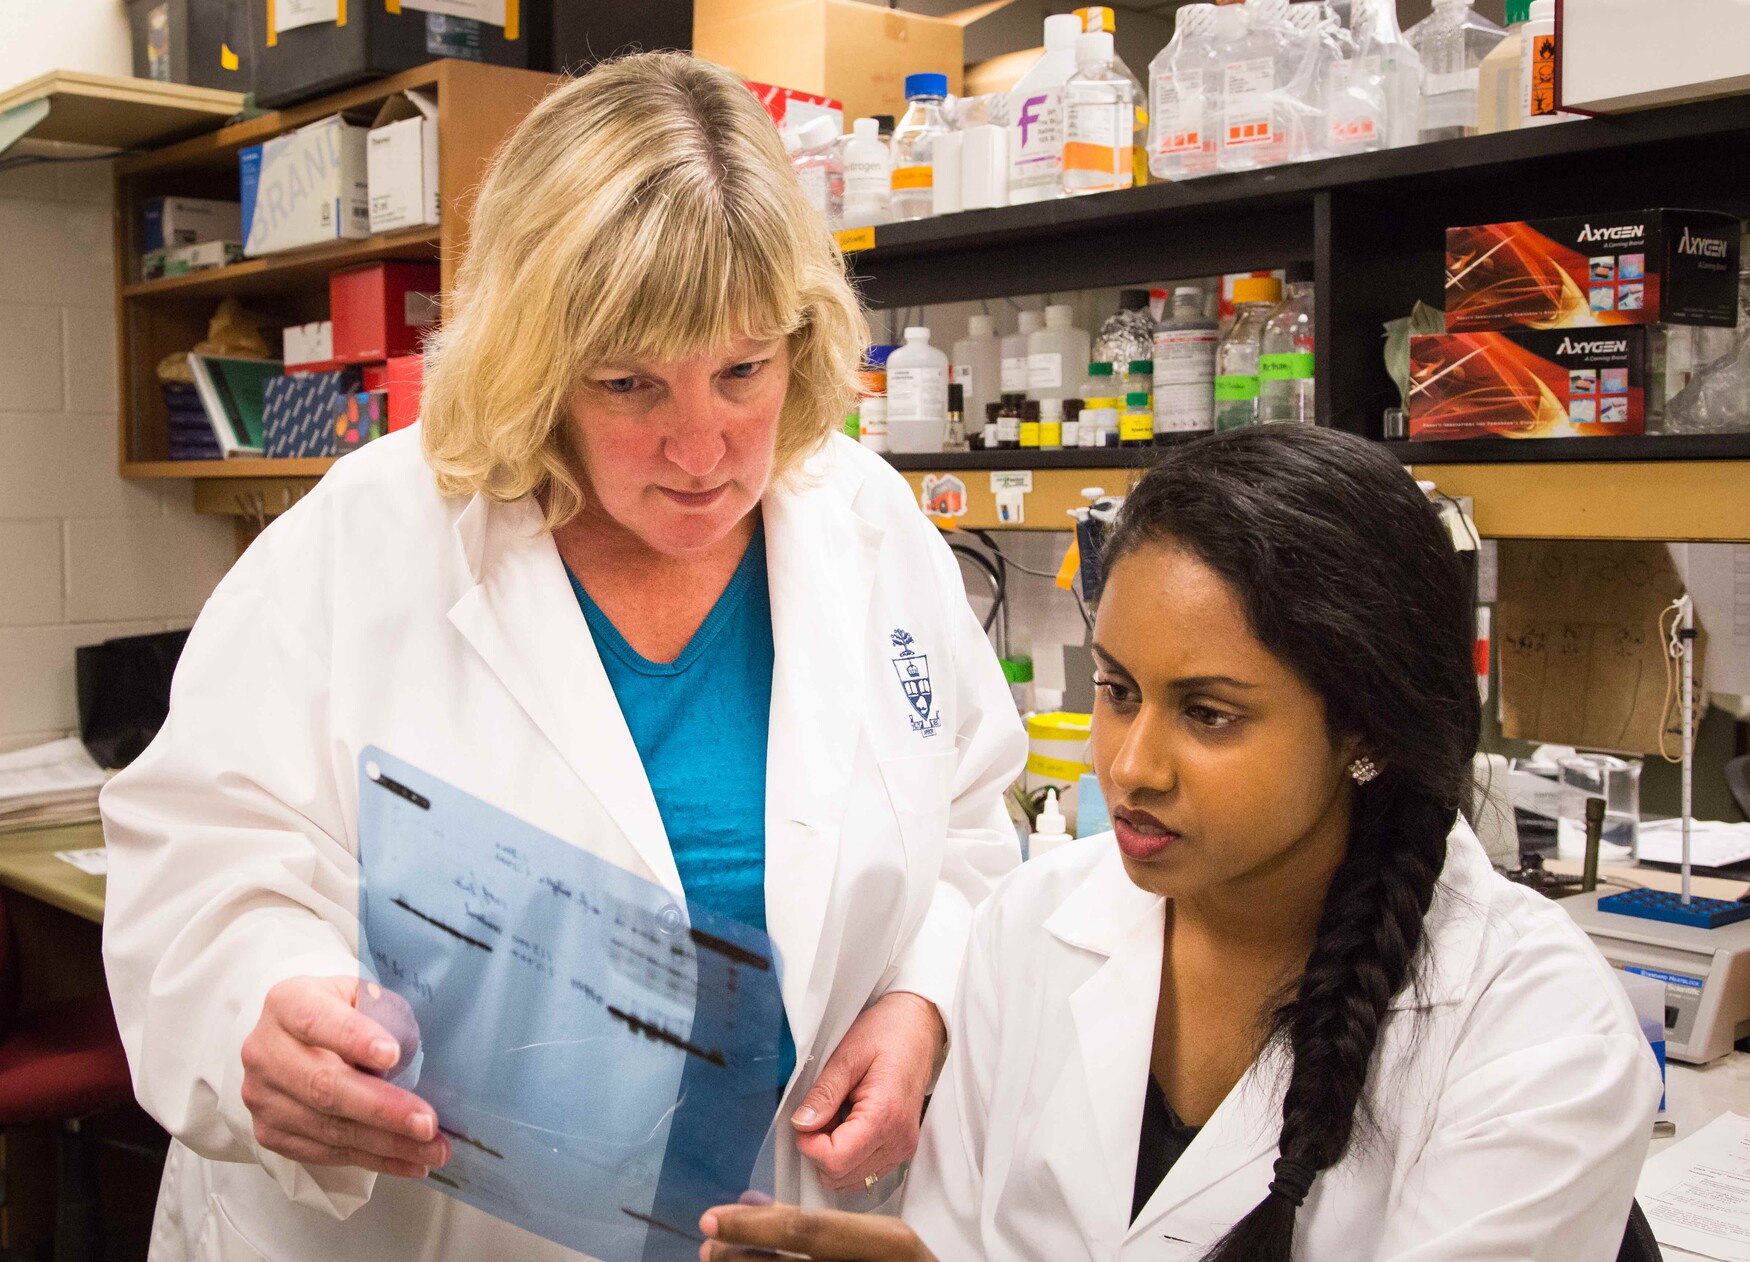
x=917, y=394
x=1286, y=359
x=977, y=365
x=1498, y=80
x=1014, y=349
x=872, y=423
x=1236, y=358
x=1055, y=354
x=1099, y=120
x=1036, y=115
x=820, y=168
x=868, y=176
x=914, y=146
x=1050, y=830
x=1181, y=129
x=1184, y=354
x=1452, y=42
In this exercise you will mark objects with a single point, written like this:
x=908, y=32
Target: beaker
x=1618, y=782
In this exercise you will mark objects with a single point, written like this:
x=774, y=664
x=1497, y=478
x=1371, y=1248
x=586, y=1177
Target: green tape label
x=1236, y=389
x=1295, y=367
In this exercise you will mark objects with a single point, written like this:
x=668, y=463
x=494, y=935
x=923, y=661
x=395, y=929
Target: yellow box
x=854, y=52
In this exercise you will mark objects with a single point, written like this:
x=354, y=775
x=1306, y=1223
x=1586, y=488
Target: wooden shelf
x=109, y=112
x=1704, y=501
x=241, y=467
x=292, y=270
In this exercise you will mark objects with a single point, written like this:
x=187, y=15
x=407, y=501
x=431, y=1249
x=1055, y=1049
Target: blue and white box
x=300, y=411
x=306, y=187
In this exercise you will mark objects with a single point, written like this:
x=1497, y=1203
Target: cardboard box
x=1634, y=54
x=401, y=162
x=309, y=347
x=1594, y=271
x=171, y=221
x=1528, y=383
x=406, y=378
x=382, y=310
x=182, y=259
x=851, y=51
x=305, y=187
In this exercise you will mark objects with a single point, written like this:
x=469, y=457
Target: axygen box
x=1594, y=271
x=1528, y=383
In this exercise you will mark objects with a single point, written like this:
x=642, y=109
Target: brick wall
x=84, y=554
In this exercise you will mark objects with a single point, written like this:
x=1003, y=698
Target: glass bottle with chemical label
x=1036, y=115
x=1054, y=353
x=1008, y=419
x=1136, y=423
x=1286, y=359
x=868, y=176
x=1184, y=359
x=1099, y=118
x=1181, y=129
x=914, y=146
x=1014, y=351
x=1101, y=402
x=978, y=364
x=1236, y=357
x=1452, y=41
x=820, y=168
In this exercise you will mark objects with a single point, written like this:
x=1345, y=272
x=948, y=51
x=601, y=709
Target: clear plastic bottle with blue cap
x=914, y=145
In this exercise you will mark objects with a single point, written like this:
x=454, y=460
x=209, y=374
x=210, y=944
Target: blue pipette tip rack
x=1697, y=913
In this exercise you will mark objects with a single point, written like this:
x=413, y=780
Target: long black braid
x=1350, y=579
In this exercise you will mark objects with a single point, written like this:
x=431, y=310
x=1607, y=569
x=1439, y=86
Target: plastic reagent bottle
x=1236, y=358
x=1099, y=120
x=1014, y=352
x=868, y=176
x=1498, y=90
x=917, y=394
x=1036, y=113
x=1181, y=129
x=872, y=423
x=1184, y=354
x=1453, y=40
x=1285, y=360
x=820, y=169
x=978, y=364
x=1053, y=353
x=1537, y=67
x=1128, y=333
x=1049, y=830
x=914, y=143
x=1376, y=95
x=1099, y=17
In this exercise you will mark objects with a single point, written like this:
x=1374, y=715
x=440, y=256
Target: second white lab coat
x=445, y=632
x=1510, y=1105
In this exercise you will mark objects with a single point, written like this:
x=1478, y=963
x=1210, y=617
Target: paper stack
x=47, y=785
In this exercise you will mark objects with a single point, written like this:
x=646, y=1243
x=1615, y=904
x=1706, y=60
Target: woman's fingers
x=318, y=1012
x=307, y=1151
x=324, y=1081
x=280, y=1114
x=824, y=1235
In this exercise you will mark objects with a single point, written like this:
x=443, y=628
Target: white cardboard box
x=401, y=158
x=1635, y=54
x=307, y=344
x=305, y=187
x=167, y=222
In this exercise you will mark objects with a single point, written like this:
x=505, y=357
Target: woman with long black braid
x=1288, y=1011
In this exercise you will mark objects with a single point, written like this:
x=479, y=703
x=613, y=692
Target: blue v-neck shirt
x=700, y=725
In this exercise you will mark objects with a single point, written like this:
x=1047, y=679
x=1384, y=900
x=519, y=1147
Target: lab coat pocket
x=220, y=1241
x=920, y=790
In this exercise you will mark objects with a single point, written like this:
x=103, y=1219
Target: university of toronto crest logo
x=913, y=669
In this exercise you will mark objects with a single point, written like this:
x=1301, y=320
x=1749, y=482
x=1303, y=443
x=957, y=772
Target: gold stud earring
x=1363, y=770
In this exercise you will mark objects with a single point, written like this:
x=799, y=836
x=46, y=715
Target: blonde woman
x=624, y=582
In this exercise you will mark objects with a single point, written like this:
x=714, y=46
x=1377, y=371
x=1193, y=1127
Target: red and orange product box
x=1528, y=383
x=1594, y=271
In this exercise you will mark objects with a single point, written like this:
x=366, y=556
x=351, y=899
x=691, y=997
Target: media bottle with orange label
x=1099, y=112
x=914, y=146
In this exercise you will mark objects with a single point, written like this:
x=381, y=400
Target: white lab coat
x=1512, y=1099
x=445, y=632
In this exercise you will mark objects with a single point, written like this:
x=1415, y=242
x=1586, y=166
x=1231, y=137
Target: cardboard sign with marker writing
x=1582, y=659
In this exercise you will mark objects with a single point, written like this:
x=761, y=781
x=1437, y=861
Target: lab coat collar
x=820, y=560
x=522, y=618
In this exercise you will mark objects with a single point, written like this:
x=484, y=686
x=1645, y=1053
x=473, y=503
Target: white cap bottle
x=868, y=176
x=1050, y=830
x=1036, y=111
x=917, y=395
x=1055, y=355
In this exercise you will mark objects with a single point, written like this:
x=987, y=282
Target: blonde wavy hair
x=645, y=211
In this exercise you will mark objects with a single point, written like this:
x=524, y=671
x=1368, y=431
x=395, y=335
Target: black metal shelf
x=1577, y=450
x=1371, y=227
x=1073, y=458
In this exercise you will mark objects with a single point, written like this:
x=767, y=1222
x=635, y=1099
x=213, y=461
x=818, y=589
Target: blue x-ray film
x=605, y=1064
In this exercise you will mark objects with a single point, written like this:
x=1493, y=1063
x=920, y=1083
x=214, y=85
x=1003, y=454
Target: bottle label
x=1357, y=103
x=1045, y=371
x=1178, y=109
x=1185, y=355
x=1029, y=434
x=913, y=177
x=1540, y=75
x=1236, y=389
x=813, y=180
x=1014, y=374
x=1050, y=434
x=1035, y=141
x=1291, y=367
x=1136, y=427
x=1097, y=139
x=1250, y=85
x=963, y=375
x=866, y=181
x=917, y=394
x=1008, y=427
